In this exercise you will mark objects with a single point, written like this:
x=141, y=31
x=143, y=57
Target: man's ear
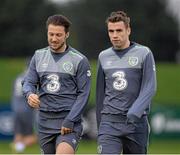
x=129, y=30
x=67, y=35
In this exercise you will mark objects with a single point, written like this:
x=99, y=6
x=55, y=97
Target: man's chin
x=116, y=46
x=54, y=48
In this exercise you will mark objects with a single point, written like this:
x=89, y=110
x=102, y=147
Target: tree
x=150, y=22
x=22, y=26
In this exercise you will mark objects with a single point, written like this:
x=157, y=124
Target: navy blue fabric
x=118, y=137
x=50, y=137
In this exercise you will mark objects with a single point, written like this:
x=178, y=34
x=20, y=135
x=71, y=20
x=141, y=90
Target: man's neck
x=123, y=47
x=61, y=50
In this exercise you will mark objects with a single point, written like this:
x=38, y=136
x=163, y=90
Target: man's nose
x=115, y=34
x=54, y=38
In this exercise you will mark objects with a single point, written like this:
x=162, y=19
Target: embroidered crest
x=133, y=61
x=67, y=66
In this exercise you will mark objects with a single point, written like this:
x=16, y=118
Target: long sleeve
x=31, y=79
x=147, y=91
x=84, y=85
x=100, y=92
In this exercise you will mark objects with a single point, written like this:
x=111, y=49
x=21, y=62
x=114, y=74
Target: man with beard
x=62, y=76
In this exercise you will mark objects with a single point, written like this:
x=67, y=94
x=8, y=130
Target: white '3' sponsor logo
x=120, y=83
x=53, y=85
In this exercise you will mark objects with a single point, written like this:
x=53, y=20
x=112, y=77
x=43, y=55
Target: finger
x=36, y=106
x=62, y=132
x=34, y=99
x=67, y=130
x=32, y=104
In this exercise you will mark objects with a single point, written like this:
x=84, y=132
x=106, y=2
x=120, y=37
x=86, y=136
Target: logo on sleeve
x=88, y=73
x=133, y=61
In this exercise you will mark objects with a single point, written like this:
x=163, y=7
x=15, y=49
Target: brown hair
x=59, y=20
x=118, y=16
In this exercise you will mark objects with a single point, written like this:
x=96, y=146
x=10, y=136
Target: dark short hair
x=59, y=20
x=117, y=17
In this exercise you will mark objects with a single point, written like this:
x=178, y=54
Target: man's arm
x=83, y=78
x=30, y=85
x=147, y=91
x=100, y=92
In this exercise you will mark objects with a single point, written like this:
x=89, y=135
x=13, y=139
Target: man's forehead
x=116, y=25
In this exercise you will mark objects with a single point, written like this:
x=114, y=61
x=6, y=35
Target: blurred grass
x=9, y=69
x=89, y=147
x=168, y=75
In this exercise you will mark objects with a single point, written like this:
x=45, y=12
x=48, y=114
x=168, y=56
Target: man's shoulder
x=76, y=54
x=142, y=48
x=42, y=50
x=105, y=52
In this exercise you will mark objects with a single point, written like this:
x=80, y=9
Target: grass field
x=89, y=147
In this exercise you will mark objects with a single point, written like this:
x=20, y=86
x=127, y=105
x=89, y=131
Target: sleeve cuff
x=68, y=124
x=29, y=93
x=132, y=118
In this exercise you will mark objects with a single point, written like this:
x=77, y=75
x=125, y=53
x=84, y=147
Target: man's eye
x=111, y=31
x=118, y=30
x=50, y=34
x=58, y=35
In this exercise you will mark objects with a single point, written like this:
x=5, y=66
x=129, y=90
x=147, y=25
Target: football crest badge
x=67, y=66
x=133, y=61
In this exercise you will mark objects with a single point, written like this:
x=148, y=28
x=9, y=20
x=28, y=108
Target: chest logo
x=67, y=66
x=120, y=83
x=44, y=65
x=109, y=63
x=53, y=83
x=133, y=61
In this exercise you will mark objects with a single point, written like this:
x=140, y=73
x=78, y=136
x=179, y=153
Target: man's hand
x=65, y=130
x=33, y=100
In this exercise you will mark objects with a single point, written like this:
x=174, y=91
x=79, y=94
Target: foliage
x=151, y=25
x=22, y=26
